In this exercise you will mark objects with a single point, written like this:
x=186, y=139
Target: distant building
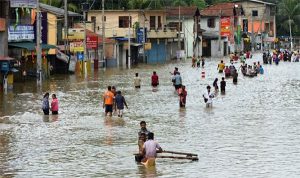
x=218, y=37
x=118, y=23
x=184, y=25
x=258, y=23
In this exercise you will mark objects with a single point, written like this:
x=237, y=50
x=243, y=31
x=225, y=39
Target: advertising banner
x=2, y=25
x=76, y=46
x=23, y=3
x=225, y=26
x=91, y=42
x=140, y=35
x=20, y=33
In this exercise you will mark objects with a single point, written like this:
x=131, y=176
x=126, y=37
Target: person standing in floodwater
x=137, y=81
x=182, y=96
x=45, y=105
x=203, y=61
x=208, y=96
x=108, y=101
x=223, y=85
x=215, y=85
x=119, y=103
x=54, y=105
x=154, y=79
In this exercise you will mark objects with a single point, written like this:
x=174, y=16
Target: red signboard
x=2, y=25
x=91, y=42
x=225, y=26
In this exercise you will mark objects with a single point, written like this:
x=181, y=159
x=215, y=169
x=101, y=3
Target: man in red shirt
x=154, y=79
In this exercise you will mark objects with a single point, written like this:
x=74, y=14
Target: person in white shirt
x=137, y=81
x=150, y=147
x=208, y=96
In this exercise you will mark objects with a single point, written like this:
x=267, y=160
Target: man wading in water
x=108, y=101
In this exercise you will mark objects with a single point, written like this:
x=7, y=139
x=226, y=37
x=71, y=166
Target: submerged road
x=252, y=131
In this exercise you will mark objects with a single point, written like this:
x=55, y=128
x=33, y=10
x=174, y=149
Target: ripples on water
x=252, y=131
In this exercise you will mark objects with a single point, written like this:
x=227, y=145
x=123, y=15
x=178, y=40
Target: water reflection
x=147, y=172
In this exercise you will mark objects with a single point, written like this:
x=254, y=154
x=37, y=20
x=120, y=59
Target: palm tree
x=289, y=10
x=59, y=3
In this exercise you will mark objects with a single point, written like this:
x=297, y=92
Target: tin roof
x=226, y=9
x=184, y=11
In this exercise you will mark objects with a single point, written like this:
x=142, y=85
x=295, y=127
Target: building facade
x=149, y=47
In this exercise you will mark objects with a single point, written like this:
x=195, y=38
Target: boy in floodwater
x=142, y=139
x=119, y=103
x=223, y=85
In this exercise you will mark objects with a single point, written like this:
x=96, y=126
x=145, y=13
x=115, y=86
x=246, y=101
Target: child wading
x=54, y=105
x=182, y=96
x=223, y=85
x=120, y=102
x=45, y=105
x=154, y=79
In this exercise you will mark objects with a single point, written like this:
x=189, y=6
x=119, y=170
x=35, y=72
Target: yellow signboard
x=76, y=46
x=148, y=46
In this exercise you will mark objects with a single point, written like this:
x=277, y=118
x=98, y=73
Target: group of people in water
x=54, y=104
x=280, y=55
x=148, y=148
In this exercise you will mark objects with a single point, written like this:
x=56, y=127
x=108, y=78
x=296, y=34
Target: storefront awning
x=31, y=46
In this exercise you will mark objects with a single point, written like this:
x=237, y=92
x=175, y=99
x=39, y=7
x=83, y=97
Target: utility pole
x=84, y=40
x=144, y=37
x=129, y=36
x=66, y=26
x=252, y=34
x=38, y=44
x=219, y=37
x=103, y=35
x=179, y=31
x=291, y=37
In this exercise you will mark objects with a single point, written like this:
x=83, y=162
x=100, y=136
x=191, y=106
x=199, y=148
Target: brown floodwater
x=252, y=131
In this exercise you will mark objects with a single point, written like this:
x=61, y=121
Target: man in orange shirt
x=108, y=101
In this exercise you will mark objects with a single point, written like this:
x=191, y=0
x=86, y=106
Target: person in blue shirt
x=261, y=70
x=119, y=103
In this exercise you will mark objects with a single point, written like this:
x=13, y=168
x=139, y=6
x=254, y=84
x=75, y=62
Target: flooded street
x=252, y=131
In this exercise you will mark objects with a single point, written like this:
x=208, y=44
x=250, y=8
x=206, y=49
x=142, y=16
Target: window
x=159, y=22
x=175, y=25
x=93, y=19
x=152, y=22
x=211, y=23
x=124, y=21
x=254, y=13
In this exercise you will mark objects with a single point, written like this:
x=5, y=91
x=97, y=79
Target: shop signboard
x=140, y=35
x=76, y=46
x=225, y=26
x=20, y=33
x=4, y=66
x=91, y=42
x=23, y=3
x=2, y=25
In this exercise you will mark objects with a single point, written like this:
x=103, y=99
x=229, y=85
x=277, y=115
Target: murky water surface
x=252, y=131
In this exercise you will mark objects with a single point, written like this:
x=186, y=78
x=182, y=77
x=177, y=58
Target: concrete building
x=122, y=25
x=182, y=19
x=217, y=21
x=258, y=23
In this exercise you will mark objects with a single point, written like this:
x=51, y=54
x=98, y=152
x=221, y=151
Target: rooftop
x=214, y=10
x=184, y=11
x=256, y=1
x=57, y=11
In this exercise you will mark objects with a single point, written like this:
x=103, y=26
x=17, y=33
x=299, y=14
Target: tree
x=60, y=4
x=289, y=11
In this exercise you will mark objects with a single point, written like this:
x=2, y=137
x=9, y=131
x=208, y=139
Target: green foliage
x=60, y=4
x=288, y=10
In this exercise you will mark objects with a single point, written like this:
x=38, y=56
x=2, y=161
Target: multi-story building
x=182, y=19
x=121, y=25
x=258, y=22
